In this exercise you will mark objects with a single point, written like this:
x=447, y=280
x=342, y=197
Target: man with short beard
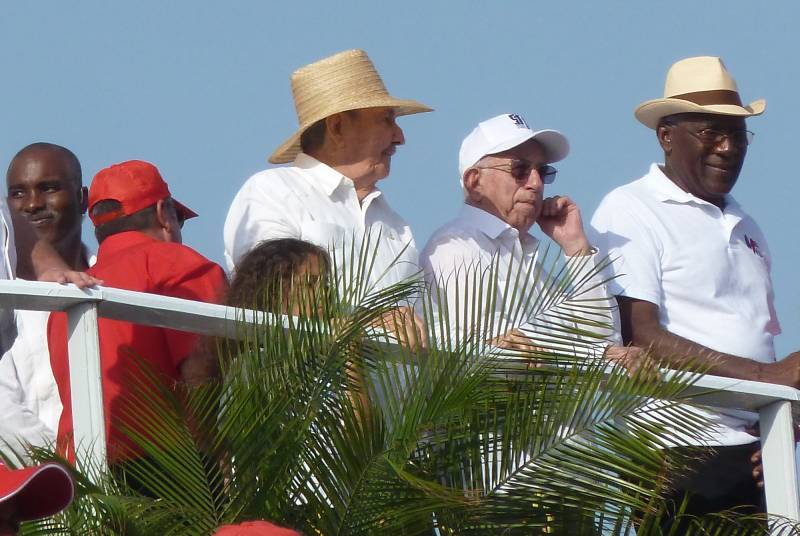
x=45, y=189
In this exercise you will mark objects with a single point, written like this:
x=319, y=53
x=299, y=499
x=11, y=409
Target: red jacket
x=134, y=261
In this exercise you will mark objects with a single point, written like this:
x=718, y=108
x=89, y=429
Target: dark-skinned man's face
x=705, y=169
x=43, y=188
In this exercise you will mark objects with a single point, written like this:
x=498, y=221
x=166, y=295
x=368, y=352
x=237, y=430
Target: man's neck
x=363, y=186
x=74, y=254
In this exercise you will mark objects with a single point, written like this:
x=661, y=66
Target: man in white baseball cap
x=504, y=165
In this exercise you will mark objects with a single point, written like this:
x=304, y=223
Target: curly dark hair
x=268, y=267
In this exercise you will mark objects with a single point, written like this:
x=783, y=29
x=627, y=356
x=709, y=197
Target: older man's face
x=370, y=138
x=509, y=186
x=704, y=153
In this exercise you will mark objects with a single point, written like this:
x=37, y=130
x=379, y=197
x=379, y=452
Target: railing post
x=86, y=381
x=778, y=459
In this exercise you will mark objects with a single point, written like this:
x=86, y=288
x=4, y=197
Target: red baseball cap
x=38, y=491
x=255, y=528
x=135, y=184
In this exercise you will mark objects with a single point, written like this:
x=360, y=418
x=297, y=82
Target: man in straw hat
x=328, y=196
x=694, y=268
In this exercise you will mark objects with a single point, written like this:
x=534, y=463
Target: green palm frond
x=324, y=423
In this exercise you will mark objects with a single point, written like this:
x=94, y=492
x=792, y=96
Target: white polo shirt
x=707, y=270
x=459, y=256
x=313, y=202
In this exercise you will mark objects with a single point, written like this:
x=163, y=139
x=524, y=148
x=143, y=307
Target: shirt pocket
x=332, y=237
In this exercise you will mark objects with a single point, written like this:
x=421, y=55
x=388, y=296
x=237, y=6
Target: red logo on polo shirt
x=753, y=245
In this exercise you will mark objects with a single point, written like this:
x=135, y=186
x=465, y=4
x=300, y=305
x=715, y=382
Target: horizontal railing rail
x=776, y=404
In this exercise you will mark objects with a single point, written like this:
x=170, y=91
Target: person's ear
x=83, y=199
x=164, y=214
x=334, y=127
x=167, y=221
x=472, y=185
x=664, y=133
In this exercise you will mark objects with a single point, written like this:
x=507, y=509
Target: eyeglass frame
x=547, y=177
x=721, y=135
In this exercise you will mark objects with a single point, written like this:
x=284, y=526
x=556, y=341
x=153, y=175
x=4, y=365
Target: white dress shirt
x=707, y=270
x=458, y=262
x=30, y=406
x=313, y=202
x=29, y=403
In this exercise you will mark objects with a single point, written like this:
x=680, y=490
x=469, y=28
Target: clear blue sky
x=201, y=89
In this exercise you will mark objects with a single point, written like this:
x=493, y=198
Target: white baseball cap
x=505, y=132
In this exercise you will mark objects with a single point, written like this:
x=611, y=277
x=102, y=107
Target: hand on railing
x=79, y=279
x=755, y=459
x=637, y=362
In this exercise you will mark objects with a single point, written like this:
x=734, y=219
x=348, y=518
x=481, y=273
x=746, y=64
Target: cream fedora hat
x=345, y=81
x=700, y=85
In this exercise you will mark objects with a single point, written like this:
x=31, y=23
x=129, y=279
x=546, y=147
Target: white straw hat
x=698, y=85
x=504, y=132
x=345, y=81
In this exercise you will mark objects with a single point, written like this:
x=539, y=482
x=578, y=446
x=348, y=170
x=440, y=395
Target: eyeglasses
x=521, y=170
x=713, y=137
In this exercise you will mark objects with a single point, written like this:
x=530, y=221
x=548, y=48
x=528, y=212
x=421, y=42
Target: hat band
x=711, y=97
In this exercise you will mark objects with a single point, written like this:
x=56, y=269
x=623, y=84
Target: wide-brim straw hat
x=698, y=85
x=345, y=81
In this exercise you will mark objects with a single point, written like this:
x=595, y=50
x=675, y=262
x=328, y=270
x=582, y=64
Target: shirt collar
x=491, y=225
x=320, y=175
x=666, y=190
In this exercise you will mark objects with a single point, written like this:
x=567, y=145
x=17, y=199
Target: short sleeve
x=619, y=229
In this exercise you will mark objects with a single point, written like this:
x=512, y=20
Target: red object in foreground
x=37, y=491
x=255, y=528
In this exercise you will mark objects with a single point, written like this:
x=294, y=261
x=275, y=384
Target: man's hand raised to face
x=560, y=219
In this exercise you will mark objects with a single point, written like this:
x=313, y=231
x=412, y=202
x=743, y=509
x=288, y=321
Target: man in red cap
x=138, y=227
x=32, y=493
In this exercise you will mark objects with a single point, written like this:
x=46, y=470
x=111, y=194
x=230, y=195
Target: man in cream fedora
x=328, y=195
x=694, y=268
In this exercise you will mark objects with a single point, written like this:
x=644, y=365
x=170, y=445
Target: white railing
x=775, y=404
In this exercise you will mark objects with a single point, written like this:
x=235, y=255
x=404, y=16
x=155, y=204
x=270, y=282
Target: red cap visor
x=37, y=492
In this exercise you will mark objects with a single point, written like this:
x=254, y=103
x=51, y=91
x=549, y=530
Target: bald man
x=45, y=193
x=45, y=188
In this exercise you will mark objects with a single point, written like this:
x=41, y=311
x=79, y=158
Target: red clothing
x=134, y=261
